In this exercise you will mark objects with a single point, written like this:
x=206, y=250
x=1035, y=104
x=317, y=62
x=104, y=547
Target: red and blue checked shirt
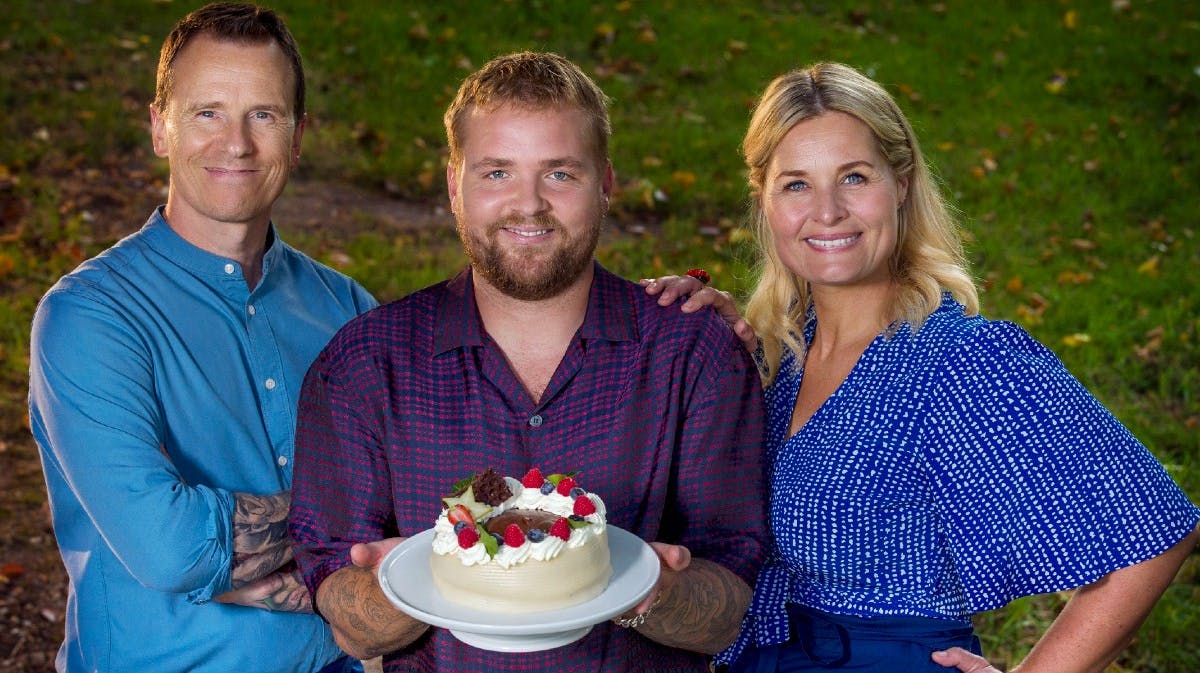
x=661, y=411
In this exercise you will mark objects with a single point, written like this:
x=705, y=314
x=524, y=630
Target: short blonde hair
x=530, y=80
x=929, y=256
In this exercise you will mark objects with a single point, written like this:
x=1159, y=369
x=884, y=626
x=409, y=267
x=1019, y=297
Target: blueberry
x=576, y=517
x=547, y=488
x=499, y=539
x=458, y=527
x=577, y=491
x=536, y=535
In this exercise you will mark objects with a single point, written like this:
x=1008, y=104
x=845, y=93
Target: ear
x=606, y=184
x=902, y=190
x=297, y=136
x=452, y=184
x=158, y=132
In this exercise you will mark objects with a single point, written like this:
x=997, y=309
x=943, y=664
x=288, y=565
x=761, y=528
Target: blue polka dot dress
x=955, y=469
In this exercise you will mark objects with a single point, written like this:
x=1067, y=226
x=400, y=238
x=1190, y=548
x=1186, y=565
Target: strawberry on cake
x=520, y=546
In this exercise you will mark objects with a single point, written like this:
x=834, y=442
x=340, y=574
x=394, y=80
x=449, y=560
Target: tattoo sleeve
x=261, y=544
x=702, y=610
x=365, y=624
x=281, y=591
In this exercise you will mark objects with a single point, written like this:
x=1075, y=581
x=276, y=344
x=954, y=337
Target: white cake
x=548, y=545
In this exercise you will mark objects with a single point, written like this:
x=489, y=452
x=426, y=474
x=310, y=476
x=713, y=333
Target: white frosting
x=445, y=540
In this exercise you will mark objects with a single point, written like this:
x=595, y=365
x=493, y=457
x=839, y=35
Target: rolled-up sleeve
x=95, y=412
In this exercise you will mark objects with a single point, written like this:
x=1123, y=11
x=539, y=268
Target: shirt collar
x=610, y=313
x=163, y=239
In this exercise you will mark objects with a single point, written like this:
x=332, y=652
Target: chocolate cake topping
x=490, y=488
x=526, y=520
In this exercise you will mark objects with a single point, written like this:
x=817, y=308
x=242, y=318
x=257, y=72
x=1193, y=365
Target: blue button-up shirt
x=160, y=385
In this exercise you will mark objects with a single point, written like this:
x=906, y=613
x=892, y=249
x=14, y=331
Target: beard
x=530, y=275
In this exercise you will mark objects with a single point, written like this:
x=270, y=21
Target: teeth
x=836, y=243
x=530, y=234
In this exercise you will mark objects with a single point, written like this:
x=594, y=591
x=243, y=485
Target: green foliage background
x=1066, y=132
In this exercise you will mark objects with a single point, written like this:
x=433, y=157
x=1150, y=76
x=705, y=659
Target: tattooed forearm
x=260, y=538
x=365, y=624
x=282, y=591
x=701, y=610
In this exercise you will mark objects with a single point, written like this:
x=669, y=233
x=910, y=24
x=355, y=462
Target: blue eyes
x=260, y=115
x=800, y=185
x=556, y=176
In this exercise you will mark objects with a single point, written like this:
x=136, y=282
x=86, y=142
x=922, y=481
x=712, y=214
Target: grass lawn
x=1065, y=131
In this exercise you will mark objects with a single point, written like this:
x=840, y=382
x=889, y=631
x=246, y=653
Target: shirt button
x=270, y=384
x=282, y=461
x=250, y=309
x=535, y=421
x=229, y=268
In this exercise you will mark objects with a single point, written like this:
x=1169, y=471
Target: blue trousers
x=822, y=641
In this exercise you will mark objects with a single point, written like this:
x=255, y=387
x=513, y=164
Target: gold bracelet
x=637, y=620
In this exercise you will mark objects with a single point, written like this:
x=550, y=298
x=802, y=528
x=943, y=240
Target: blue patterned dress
x=955, y=469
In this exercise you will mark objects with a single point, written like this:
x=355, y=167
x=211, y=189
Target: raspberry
x=561, y=529
x=565, y=486
x=513, y=537
x=584, y=506
x=467, y=538
x=532, y=479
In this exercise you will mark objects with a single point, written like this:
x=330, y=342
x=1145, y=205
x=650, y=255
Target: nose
x=528, y=199
x=239, y=140
x=828, y=207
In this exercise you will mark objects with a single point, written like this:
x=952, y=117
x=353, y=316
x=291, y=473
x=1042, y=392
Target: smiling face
x=529, y=197
x=229, y=133
x=832, y=203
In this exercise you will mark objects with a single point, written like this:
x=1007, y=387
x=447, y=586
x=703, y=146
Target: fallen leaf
x=684, y=179
x=1071, y=19
x=1056, y=83
x=419, y=32
x=1074, y=278
x=12, y=570
x=1149, y=267
x=1076, y=340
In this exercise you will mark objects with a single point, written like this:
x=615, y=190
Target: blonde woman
x=926, y=463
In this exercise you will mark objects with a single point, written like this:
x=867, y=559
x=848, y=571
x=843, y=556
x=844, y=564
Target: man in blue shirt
x=164, y=378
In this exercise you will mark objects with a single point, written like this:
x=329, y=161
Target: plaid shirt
x=660, y=410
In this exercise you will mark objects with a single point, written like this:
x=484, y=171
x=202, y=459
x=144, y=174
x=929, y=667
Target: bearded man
x=534, y=356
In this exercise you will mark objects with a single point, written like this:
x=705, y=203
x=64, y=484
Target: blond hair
x=929, y=257
x=529, y=80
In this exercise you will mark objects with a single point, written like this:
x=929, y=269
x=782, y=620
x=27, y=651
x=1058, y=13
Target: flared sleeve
x=1039, y=487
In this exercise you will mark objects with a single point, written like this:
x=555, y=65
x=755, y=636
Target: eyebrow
x=557, y=162
x=218, y=105
x=844, y=167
